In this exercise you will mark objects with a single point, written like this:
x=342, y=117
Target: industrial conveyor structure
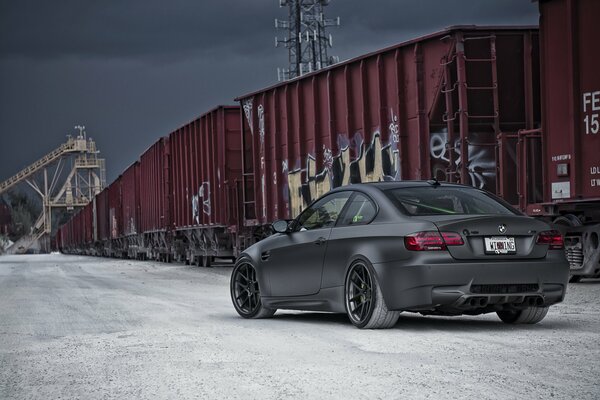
x=68, y=189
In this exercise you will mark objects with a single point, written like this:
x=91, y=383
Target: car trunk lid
x=507, y=236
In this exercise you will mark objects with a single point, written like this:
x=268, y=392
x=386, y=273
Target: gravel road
x=89, y=328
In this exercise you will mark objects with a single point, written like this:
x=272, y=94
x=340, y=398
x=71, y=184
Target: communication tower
x=306, y=39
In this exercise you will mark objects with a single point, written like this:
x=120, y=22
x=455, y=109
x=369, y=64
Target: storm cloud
x=133, y=70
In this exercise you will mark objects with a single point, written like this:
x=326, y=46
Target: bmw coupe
x=375, y=250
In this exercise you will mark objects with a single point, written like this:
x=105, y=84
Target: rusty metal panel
x=571, y=96
x=404, y=112
x=206, y=166
x=155, y=187
x=130, y=194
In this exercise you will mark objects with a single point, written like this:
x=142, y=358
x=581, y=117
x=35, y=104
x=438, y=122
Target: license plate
x=500, y=245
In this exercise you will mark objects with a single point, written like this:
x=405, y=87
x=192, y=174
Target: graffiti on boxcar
x=261, y=123
x=260, y=113
x=247, y=106
x=481, y=165
x=285, y=195
x=202, y=197
x=394, y=127
x=131, y=229
x=263, y=182
x=204, y=194
x=373, y=162
x=195, y=209
x=114, y=231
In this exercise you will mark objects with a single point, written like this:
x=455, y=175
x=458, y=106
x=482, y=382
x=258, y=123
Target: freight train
x=513, y=110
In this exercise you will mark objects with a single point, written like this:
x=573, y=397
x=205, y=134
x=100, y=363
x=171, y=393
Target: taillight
x=452, y=239
x=422, y=241
x=553, y=239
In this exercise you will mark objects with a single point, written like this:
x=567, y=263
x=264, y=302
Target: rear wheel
x=529, y=315
x=364, y=301
x=245, y=292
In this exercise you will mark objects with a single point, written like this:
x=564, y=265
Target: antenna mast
x=307, y=41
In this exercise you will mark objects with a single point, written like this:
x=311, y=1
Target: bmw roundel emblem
x=502, y=228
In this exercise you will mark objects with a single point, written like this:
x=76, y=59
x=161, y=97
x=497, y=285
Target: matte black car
x=374, y=250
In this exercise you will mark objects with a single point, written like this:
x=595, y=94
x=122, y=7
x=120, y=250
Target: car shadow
x=464, y=323
x=415, y=322
x=586, y=281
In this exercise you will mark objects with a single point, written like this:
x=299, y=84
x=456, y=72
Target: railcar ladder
x=460, y=84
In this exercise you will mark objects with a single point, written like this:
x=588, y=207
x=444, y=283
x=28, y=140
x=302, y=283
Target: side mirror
x=280, y=226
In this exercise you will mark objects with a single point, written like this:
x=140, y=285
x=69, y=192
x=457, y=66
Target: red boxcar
x=76, y=235
x=102, y=217
x=155, y=220
x=205, y=167
x=130, y=200
x=571, y=98
x=86, y=216
x=115, y=214
x=155, y=212
x=405, y=112
x=570, y=34
x=60, y=238
x=78, y=230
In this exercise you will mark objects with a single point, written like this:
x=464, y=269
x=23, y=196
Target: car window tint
x=324, y=213
x=360, y=211
x=440, y=200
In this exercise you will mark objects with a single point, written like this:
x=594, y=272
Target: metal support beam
x=77, y=188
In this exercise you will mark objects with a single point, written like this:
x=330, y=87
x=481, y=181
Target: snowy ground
x=89, y=328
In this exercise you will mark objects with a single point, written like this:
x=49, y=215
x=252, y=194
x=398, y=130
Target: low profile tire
x=245, y=292
x=530, y=315
x=575, y=279
x=364, y=301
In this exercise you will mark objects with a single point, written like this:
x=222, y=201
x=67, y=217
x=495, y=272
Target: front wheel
x=245, y=292
x=529, y=315
x=364, y=301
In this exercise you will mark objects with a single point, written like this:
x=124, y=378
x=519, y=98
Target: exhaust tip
x=539, y=301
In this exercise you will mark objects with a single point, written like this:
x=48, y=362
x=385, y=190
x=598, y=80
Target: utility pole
x=306, y=41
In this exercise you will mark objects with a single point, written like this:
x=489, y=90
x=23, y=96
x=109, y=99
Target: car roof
x=387, y=185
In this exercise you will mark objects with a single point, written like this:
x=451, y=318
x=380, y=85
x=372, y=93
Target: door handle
x=320, y=241
x=265, y=255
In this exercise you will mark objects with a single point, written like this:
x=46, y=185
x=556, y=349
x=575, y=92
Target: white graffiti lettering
x=261, y=123
x=247, y=106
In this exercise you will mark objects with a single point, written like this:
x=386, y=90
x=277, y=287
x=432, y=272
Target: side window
x=360, y=211
x=324, y=213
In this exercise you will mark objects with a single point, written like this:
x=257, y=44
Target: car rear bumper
x=436, y=283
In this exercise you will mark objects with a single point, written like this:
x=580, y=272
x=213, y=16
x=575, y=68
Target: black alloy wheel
x=245, y=292
x=359, y=294
x=364, y=300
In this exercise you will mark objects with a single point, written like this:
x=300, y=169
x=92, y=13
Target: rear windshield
x=440, y=200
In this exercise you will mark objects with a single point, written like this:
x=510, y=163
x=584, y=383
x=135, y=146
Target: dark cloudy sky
x=133, y=70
